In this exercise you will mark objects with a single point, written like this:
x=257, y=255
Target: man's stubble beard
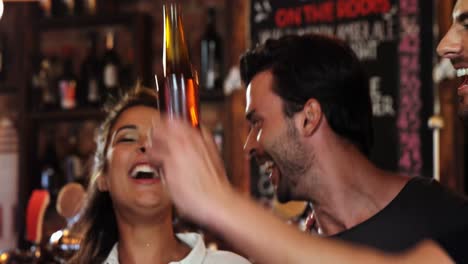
x=292, y=160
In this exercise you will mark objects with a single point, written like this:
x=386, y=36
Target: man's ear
x=310, y=117
x=102, y=182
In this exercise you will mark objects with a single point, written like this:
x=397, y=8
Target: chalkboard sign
x=394, y=40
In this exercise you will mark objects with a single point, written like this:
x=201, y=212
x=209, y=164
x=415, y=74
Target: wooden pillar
x=236, y=132
x=238, y=166
x=238, y=28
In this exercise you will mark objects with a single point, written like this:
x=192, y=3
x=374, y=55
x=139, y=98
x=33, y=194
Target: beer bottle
x=179, y=96
x=91, y=92
x=211, y=55
x=111, y=68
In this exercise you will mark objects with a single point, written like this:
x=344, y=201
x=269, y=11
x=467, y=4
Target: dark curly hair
x=320, y=67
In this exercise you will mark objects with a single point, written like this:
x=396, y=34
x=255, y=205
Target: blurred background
x=60, y=60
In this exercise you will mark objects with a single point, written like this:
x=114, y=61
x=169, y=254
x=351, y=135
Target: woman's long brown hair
x=98, y=224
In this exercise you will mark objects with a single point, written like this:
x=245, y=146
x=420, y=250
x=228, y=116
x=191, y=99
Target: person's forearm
x=268, y=240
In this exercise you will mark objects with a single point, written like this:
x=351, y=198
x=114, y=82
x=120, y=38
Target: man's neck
x=352, y=190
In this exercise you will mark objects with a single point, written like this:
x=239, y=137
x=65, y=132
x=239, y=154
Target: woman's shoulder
x=200, y=253
x=225, y=257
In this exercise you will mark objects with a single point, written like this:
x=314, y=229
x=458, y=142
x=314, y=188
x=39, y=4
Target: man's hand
x=193, y=170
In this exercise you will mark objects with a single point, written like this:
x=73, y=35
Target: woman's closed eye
x=126, y=139
x=127, y=135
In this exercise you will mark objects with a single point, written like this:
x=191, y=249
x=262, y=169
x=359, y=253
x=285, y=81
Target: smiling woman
x=129, y=213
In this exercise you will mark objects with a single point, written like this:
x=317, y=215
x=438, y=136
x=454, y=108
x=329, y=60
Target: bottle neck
x=93, y=48
x=175, y=52
x=211, y=27
x=211, y=21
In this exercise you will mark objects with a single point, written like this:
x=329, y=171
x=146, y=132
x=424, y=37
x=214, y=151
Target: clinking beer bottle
x=179, y=96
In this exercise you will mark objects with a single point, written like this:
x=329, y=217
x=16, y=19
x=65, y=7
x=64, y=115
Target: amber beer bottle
x=179, y=95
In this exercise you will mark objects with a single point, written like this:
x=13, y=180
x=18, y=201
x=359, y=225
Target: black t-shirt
x=423, y=209
x=455, y=243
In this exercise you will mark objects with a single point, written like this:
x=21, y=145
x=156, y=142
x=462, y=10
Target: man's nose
x=451, y=44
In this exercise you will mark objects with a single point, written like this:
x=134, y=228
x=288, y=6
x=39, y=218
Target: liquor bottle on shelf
x=36, y=88
x=110, y=67
x=44, y=96
x=90, y=92
x=180, y=92
x=50, y=169
x=69, y=7
x=2, y=57
x=72, y=165
x=58, y=8
x=89, y=7
x=67, y=83
x=46, y=8
x=126, y=75
x=106, y=6
x=211, y=54
x=218, y=136
x=79, y=7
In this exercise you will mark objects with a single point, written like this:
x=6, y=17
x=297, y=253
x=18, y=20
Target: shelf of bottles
x=82, y=69
x=80, y=63
x=72, y=115
x=85, y=21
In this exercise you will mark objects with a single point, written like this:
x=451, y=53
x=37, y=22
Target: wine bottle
x=58, y=8
x=89, y=7
x=110, y=67
x=211, y=54
x=2, y=57
x=180, y=92
x=49, y=168
x=90, y=92
x=69, y=7
x=44, y=93
x=67, y=84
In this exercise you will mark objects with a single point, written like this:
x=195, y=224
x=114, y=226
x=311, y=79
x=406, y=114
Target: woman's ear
x=102, y=182
x=311, y=117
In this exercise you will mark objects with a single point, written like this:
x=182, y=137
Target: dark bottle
x=2, y=57
x=46, y=8
x=218, y=136
x=180, y=92
x=79, y=7
x=126, y=75
x=43, y=89
x=110, y=67
x=106, y=6
x=89, y=7
x=211, y=55
x=90, y=90
x=58, y=7
x=69, y=7
x=67, y=84
x=50, y=169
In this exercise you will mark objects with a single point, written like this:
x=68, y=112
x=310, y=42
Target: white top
x=198, y=255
